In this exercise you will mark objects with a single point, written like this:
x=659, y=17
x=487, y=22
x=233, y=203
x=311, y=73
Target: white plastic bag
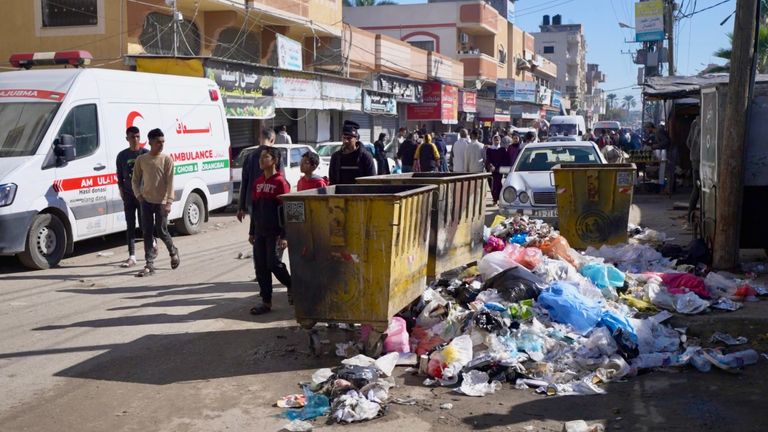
x=494, y=263
x=475, y=383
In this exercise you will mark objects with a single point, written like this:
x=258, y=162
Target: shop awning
x=675, y=87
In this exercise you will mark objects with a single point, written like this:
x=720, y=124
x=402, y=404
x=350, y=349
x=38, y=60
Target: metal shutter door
x=366, y=124
x=242, y=133
x=389, y=127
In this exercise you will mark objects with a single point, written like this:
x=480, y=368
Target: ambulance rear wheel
x=192, y=216
x=46, y=243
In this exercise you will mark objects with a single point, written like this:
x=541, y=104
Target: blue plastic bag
x=316, y=405
x=614, y=321
x=603, y=275
x=567, y=306
x=520, y=238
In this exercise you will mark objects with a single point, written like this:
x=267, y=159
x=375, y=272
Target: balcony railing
x=478, y=18
x=479, y=66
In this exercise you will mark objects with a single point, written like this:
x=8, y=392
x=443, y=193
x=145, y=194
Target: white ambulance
x=60, y=133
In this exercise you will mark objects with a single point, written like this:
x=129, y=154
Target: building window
x=69, y=13
x=549, y=49
x=233, y=44
x=425, y=45
x=160, y=31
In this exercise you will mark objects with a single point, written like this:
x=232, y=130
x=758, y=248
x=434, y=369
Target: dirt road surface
x=89, y=347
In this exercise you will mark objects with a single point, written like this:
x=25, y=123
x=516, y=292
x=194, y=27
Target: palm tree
x=363, y=3
x=610, y=100
x=629, y=102
x=762, y=46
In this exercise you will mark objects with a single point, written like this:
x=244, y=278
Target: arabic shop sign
x=379, y=103
x=246, y=91
x=404, y=91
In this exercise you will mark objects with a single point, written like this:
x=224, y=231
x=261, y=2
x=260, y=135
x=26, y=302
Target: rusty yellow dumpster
x=358, y=253
x=593, y=202
x=456, y=219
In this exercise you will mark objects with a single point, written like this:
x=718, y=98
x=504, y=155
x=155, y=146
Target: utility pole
x=730, y=172
x=669, y=21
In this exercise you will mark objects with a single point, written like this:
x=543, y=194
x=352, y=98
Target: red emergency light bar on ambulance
x=63, y=129
x=72, y=58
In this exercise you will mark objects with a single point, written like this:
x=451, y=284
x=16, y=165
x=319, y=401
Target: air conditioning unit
x=464, y=38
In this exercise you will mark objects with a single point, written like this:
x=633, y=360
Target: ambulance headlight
x=7, y=194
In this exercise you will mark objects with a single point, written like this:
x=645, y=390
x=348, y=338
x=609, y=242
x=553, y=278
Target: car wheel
x=192, y=215
x=46, y=243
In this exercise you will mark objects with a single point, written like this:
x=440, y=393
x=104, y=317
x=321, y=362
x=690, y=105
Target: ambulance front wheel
x=192, y=216
x=46, y=242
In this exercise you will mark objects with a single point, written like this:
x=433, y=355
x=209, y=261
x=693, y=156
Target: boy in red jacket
x=309, y=163
x=267, y=232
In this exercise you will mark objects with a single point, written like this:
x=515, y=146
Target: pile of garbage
x=536, y=313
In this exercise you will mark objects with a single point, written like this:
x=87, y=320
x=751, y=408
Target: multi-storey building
x=564, y=44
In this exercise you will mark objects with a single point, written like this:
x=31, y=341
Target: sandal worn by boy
x=146, y=271
x=175, y=260
x=261, y=309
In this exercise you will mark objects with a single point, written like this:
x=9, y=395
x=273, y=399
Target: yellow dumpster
x=457, y=216
x=358, y=253
x=593, y=202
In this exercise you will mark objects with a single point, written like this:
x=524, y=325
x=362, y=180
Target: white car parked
x=327, y=149
x=290, y=155
x=529, y=188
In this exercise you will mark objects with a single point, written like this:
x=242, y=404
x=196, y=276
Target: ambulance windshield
x=23, y=125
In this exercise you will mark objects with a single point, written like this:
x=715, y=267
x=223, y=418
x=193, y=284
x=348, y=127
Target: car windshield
x=544, y=158
x=328, y=149
x=563, y=129
x=22, y=126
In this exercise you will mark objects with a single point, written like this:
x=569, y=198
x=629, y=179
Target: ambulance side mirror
x=64, y=149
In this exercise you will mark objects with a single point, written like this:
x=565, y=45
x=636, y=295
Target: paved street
x=90, y=347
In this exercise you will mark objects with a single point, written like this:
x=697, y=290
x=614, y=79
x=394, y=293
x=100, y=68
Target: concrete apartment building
x=565, y=45
x=488, y=45
x=594, y=100
x=335, y=67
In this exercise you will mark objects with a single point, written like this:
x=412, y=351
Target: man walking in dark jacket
x=124, y=163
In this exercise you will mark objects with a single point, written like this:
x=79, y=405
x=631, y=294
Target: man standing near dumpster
x=351, y=161
x=152, y=184
x=474, y=162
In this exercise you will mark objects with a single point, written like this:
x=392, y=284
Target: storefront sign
x=342, y=96
x=501, y=112
x=289, y=53
x=505, y=89
x=556, y=100
x=544, y=96
x=649, y=21
x=379, y=103
x=486, y=109
x=297, y=90
x=404, y=91
x=440, y=103
x=467, y=101
x=525, y=91
x=524, y=111
x=246, y=91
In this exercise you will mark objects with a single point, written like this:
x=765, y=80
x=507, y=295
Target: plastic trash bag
x=475, y=383
x=681, y=283
x=494, y=244
x=316, y=405
x=719, y=285
x=516, y=284
x=354, y=407
x=298, y=426
x=604, y=276
x=566, y=305
x=448, y=362
x=386, y=363
x=558, y=247
x=490, y=321
x=519, y=238
x=614, y=369
x=688, y=303
x=494, y=263
x=397, y=336
x=359, y=376
x=321, y=375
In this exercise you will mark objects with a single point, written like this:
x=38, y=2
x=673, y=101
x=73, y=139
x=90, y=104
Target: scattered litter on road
x=582, y=426
x=446, y=406
x=246, y=254
x=540, y=315
x=292, y=401
x=104, y=254
x=298, y=426
x=728, y=339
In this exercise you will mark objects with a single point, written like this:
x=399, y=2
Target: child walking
x=267, y=233
x=309, y=163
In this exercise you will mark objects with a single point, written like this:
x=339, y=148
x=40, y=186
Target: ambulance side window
x=83, y=124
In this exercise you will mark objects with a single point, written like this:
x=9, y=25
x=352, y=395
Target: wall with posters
x=379, y=103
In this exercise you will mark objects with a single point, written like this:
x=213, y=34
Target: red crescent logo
x=129, y=122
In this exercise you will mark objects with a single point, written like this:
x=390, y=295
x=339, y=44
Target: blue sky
x=697, y=37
